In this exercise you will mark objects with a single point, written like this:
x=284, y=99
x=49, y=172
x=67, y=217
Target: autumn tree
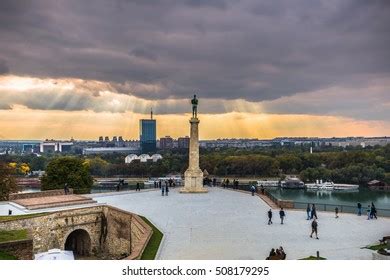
x=7, y=181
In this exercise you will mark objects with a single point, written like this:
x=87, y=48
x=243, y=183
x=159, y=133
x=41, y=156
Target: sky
x=260, y=68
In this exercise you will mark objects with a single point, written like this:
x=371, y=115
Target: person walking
x=159, y=184
x=314, y=228
x=138, y=187
x=368, y=212
x=313, y=212
x=253, y=189
x=166, y=190
x=270, y=217
x=162, y=191
x=308, y=211
x=336, y=212
x=359, y=207
x=282, y=214
x=373, y=211
x=66, y=189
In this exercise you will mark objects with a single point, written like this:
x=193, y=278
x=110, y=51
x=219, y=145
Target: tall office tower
x=147, y=135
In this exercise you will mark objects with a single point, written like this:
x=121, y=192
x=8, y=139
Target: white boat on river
x=330, y=186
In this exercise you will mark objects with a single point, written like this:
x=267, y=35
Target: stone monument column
x=193, y=177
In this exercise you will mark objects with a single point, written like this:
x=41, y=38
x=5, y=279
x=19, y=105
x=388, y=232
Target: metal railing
x=328, y=207
x=343, y=208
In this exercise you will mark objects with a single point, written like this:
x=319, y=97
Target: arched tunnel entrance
x=79, y=242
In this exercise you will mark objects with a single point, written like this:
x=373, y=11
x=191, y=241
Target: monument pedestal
x=193, y=177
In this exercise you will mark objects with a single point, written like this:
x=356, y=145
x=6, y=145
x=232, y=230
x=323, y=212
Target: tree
x=97, y=166
x=38, y=163
x=7, y=181
x=67, y=170
x=289, y=163
x=312, y=174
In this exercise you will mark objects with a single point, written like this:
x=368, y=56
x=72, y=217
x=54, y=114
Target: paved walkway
x=223, y=224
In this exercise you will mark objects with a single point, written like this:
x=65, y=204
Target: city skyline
x=261, y=69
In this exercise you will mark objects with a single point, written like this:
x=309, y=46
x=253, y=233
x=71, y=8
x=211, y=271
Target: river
x=364, y=195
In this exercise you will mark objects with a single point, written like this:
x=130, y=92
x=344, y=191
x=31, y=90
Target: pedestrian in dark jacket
x=166, y=190
x=359, y=207
x=162, y=191
x=282, y=214
x=313, y=212
x=373, y=211
x=314, y=228
x=138, y=187
x=336, y=212
x=269, y=217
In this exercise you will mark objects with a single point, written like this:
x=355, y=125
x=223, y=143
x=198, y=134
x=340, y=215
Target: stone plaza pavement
x=225, y=224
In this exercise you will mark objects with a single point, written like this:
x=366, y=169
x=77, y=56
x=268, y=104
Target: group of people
x=371, y=212
x=226, y=183
x=277, y=254
x=170, y=183
x=282, y=215
x=311, y=211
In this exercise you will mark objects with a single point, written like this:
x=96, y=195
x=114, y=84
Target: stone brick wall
x=22, y=249
x=125, y=230
x=15, y=196
x=108, y=228
x=285, y=203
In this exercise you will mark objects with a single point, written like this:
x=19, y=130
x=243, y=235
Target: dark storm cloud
x=254, y=50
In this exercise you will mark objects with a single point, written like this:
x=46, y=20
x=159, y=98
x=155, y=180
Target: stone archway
x=79, y=242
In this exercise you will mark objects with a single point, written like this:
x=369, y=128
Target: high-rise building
x=147, y=135
x=183, y=142
x=166, y=143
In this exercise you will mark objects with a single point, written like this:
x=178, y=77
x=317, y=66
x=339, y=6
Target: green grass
x=18, y=217
x=154, y=242
x=12, y=235
x=6, y=256
x=376, y=247
x=312, y=258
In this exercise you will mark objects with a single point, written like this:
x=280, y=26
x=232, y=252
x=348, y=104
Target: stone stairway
x=53, y=201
